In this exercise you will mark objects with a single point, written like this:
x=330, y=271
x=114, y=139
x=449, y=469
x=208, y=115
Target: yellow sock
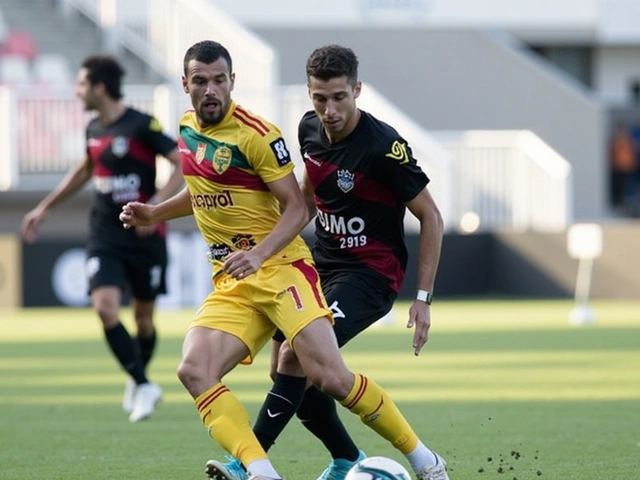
x=377, y=411
x=228, y=424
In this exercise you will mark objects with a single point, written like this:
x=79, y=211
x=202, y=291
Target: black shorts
x=357, y=301
x=142, y=270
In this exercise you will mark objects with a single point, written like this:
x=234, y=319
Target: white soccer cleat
x=147, y=397
x=435, y=472
x=260, y=477
x=129, y=396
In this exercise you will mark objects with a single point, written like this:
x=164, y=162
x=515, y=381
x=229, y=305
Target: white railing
x=508, y=180
x=481, y=180
x=160, y=31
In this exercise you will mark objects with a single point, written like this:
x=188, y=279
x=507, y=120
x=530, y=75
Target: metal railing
x=160, y=31
x=508, y=180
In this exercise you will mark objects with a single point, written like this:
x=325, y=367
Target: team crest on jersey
x=243, y=241
x=222, y=159
x=345, y=180
x=200, y=152
x=120, y=146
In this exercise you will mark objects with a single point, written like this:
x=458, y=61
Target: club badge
x=345, y=180
x=120, y=146
x=222, y=159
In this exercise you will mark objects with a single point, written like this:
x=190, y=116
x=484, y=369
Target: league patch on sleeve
x=399, y=152
x=155, y=125
x=280, y=151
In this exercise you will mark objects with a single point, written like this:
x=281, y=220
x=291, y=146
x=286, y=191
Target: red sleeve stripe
x=248, y=123
x=361, y=389
x=252, y=118
x=211, y=397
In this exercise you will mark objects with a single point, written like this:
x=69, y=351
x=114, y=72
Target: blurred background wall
x=509, y=106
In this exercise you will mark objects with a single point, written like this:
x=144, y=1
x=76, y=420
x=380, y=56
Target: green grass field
x=502, y=386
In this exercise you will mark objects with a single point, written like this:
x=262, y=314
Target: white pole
x=9, y=161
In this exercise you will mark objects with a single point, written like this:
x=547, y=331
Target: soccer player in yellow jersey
x=249, y=208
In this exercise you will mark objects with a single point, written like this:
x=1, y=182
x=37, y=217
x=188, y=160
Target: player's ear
x=232, y=81
x=185, y=84
x=357, y=89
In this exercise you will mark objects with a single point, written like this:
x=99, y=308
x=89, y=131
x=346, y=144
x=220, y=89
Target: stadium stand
x=15, y=70
x=21, y=44
x=52, y=70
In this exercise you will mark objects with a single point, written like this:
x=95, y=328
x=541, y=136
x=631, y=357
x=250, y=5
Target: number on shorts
x=297, y=301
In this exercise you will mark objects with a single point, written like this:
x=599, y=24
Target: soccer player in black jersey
x=122, y=144
x=360, y=177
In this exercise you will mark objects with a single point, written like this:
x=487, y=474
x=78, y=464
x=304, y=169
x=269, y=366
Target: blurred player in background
x=360, y=176
x=122, y=144
x=250, y=210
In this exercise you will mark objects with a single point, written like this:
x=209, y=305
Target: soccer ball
x=377, y=468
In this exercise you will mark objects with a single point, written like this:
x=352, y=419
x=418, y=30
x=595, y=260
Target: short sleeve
x=153, y=136
x=269, y=156
x=398, y=169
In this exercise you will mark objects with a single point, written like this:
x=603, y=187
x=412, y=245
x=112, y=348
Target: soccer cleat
x=260, y=477
x=226, y=471
x=339, y=467
x=435, y=472
x=129, y=397
x=147, y=397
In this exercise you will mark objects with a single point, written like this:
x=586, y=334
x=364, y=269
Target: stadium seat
x=21, y=44
x=15, y=70
x=52, y=70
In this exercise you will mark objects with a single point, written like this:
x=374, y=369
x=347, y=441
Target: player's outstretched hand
x=420, y=317
x=30, y=224
x=136, y=214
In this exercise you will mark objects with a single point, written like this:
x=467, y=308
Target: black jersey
x=123, y=154
x=361, y=185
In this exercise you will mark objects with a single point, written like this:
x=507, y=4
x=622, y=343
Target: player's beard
x=215, y=117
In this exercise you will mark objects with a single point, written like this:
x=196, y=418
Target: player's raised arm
x=135, y=214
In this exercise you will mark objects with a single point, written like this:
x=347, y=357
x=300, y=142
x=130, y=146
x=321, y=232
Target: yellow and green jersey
x=227, y=167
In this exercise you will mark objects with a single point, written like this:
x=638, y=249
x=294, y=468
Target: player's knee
x=107, y=313
x=144, y=323
x=288, y=362
x=189, y=374
x=330, y=382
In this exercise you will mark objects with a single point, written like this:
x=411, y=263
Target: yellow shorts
x=287, y=297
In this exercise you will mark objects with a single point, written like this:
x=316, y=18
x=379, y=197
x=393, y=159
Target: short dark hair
x=206, y=51
x=333, y=61
x=106, y=70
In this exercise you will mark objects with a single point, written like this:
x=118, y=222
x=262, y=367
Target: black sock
x=319, y=415
x=146, y=346
x=278, y=408
x=124, y=349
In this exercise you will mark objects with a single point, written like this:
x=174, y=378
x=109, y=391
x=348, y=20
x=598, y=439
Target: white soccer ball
x=377, y=468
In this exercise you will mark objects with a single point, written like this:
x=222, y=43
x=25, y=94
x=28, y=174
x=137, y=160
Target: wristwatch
x=424, y=296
